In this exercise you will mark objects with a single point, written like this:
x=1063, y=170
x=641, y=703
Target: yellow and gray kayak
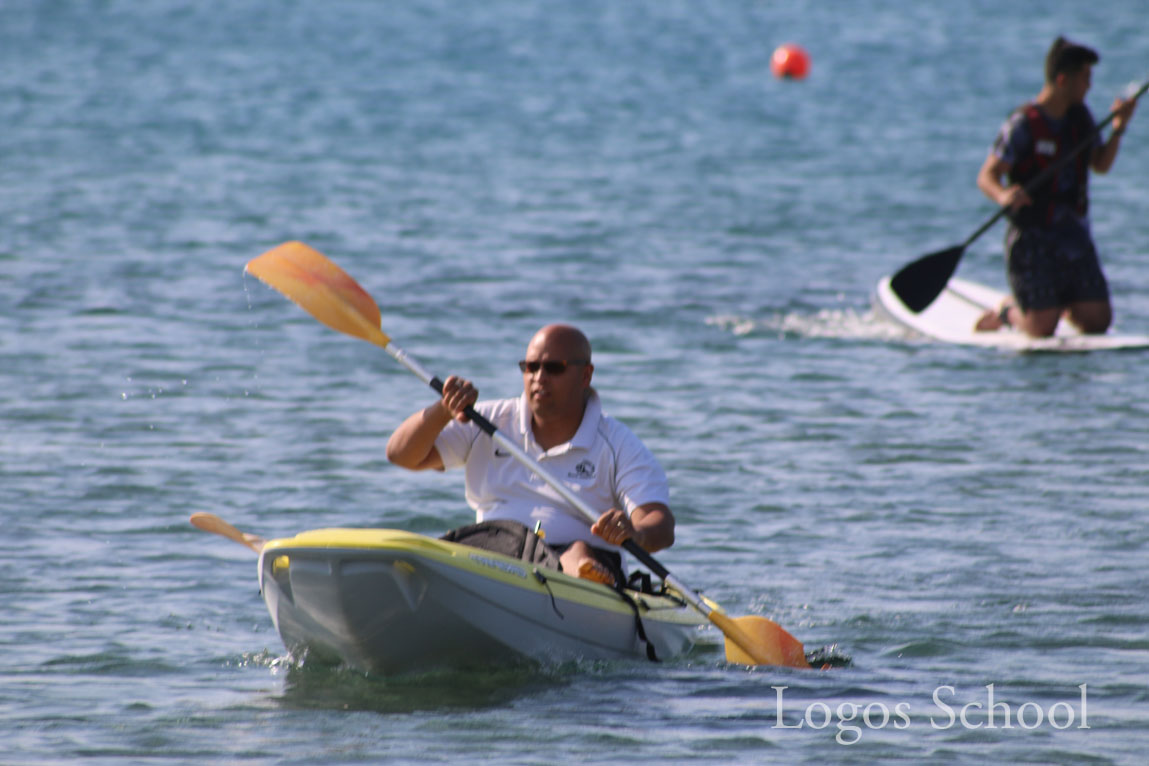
x=387, y=601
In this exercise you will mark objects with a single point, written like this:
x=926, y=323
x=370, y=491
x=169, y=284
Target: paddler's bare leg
x=579, y=560
x=1090, y=316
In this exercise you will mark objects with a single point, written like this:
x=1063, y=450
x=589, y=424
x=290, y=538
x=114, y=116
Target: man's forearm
x=412, y=445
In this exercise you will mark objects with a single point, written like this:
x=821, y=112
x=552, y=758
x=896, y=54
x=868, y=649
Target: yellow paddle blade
x=759, y=641
x=321, y=288
x=209, y=522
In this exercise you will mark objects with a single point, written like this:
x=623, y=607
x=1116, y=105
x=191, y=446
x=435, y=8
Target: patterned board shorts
x=1054, y=268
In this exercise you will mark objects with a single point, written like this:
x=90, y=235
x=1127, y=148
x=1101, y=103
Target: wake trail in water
x=846, y=324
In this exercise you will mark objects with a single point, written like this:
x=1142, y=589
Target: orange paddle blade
x=759, y=641
x=321, y=288
x=209, y=522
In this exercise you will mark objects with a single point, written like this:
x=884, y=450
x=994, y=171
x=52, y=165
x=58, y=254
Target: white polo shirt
x=605, y=464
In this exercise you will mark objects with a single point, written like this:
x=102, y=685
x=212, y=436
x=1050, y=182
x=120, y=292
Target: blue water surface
x=955, y=519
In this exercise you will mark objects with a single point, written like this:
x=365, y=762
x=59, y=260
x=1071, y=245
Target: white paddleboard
x=951, y=319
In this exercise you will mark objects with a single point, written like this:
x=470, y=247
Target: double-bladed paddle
x=918, y=284
x=329, y=294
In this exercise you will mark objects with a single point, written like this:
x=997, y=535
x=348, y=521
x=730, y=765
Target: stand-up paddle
x=329, y=294
x=919, y=283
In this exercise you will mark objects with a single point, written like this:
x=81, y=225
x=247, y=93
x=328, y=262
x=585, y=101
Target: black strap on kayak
x=511, y=538
x=542, y=580
x=641, y=582
x=620, y=588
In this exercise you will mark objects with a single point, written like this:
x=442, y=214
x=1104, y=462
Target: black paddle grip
x=487, y=426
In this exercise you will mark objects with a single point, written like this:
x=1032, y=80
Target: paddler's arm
x=989, y=180
x=1106, y=154
x=412, y=445
x=650, y=525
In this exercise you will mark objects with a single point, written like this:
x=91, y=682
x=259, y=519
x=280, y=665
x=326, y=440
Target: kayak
x=953, y=314
x=387, y=601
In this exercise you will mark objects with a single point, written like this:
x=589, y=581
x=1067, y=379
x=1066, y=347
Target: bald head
x=559, y=341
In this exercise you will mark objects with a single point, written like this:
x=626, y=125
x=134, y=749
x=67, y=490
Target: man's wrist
x=439, y=414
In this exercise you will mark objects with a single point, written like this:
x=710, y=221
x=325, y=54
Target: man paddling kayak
x=1051, y=259
x=558, y=420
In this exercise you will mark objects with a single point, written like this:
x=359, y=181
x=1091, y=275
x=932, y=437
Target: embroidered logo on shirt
x=1046, y=147
x=584, y=470
x=500, y=453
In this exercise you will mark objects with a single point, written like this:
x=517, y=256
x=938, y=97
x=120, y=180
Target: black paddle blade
x=918, y=284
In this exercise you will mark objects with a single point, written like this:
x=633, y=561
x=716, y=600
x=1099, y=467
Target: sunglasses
x=550, y=367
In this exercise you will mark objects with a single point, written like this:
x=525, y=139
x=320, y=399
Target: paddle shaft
x=1048, y=172
x=526, y=460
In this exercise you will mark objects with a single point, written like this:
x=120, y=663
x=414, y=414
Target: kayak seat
x=510, y=538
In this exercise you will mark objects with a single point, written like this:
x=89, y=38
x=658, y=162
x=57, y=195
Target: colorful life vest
x=1048, y=148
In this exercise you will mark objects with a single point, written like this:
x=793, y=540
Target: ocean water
x=963, y=523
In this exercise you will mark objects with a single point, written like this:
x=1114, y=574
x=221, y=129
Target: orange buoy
x=790, y=61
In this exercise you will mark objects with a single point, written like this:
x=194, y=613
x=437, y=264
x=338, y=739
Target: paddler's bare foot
x=995, y=320
x=580, y=560
x=988, y=322
x=589, y=569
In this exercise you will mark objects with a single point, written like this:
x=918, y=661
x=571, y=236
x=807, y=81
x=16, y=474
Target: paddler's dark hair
x=1067, y=57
